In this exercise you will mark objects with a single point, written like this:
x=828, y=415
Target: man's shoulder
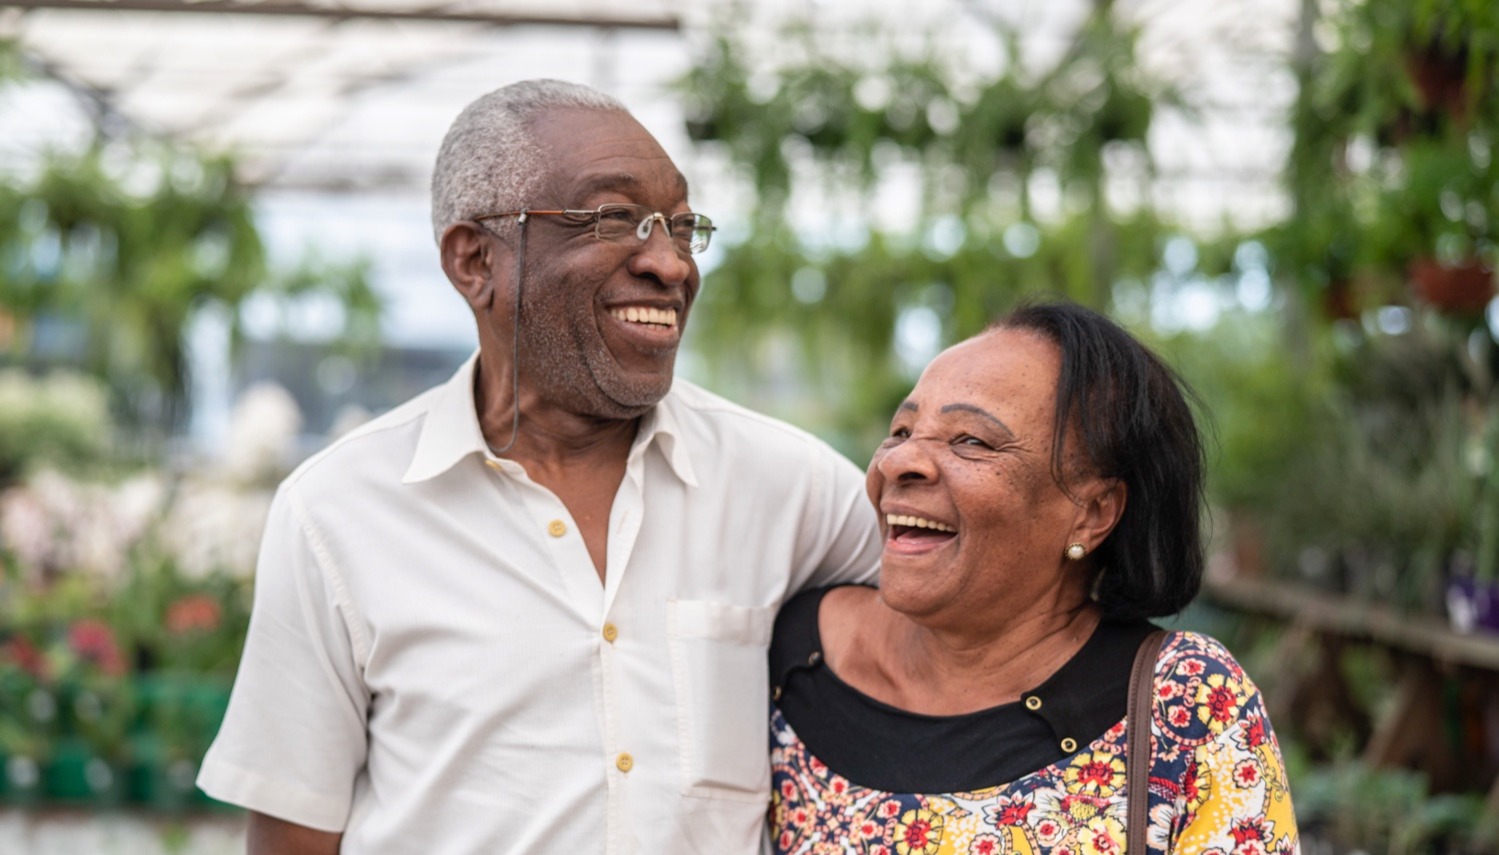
x=380, y=449
x=721, y=417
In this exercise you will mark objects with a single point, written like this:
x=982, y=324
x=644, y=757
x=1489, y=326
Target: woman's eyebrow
x=978, y=411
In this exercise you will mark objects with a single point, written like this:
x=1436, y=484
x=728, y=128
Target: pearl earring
x=1076, y=551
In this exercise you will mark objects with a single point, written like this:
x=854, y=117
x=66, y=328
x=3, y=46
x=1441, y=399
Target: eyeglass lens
x=618, y=222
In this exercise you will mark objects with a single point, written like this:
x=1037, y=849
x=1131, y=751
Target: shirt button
x=611, y=632
x=556, y=528
x=1069, y=745
x=1033, y=703
x=624, y=762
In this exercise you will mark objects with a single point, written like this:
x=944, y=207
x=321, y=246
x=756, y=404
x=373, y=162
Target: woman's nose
x=909, y=460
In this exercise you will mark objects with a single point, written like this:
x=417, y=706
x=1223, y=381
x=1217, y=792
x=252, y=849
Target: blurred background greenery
x=890, y=197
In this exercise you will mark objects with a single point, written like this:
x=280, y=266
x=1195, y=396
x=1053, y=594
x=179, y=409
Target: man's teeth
x=646, y=315
x=917, y=522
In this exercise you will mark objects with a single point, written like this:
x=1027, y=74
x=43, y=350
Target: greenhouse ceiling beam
x=307, y=10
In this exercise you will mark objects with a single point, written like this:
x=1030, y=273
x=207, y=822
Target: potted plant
x=1439, y=222
x=28, y=716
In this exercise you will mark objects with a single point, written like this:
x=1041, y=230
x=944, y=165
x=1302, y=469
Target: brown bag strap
x=1138, y=756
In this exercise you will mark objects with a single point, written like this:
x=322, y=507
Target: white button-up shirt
x=433, y=665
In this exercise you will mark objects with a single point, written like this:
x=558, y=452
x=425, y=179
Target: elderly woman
x=1040, y=493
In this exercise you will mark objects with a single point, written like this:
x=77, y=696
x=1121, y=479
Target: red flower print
x=879, y=849
x=1254, y=734
x=1015, y=814
x=917, y=833
x=1048, y=828
x=1100, y=840
x=788, y=790
x=1167, y=691
x=890, y=809
x=1095, y=774
x=869, y=829
x=984, y=844
x=819, y=768
x=1180, y=717
x=839, y=786
x=1192, y=667
x=1220, y=701
x=799, y=816
x=785, y=841
x=1247, y=773
x=1116, y=731
x=1247, y=830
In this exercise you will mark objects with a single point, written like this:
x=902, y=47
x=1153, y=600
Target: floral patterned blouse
x=1217, y=784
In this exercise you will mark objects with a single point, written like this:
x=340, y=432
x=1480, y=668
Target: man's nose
x=659, y=256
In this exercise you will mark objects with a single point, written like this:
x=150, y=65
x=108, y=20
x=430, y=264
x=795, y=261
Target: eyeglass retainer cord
x=520, y=270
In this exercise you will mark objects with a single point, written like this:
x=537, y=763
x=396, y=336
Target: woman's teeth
x=646, y=315
x=917, y=522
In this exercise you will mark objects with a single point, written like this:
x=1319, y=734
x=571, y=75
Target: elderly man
x=528, y=611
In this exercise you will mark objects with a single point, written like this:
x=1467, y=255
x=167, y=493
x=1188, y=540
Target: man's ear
x=470, y=259
x=1100, y=507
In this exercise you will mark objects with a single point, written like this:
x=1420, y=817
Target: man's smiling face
x=601, y=321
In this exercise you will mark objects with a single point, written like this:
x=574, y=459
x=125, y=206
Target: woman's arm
x=271, y=836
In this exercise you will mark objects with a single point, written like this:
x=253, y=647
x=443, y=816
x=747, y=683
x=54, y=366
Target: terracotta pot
x=1441, y=80
x=1338, y=301
x=1462, y=290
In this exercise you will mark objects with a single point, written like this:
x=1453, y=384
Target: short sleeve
x=293, y=739
x=842, y=544
x=1232, y=781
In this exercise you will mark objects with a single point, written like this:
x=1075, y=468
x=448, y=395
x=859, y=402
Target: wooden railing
x=1443, y=716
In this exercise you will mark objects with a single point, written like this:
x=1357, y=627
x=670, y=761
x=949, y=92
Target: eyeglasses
x=617, y=223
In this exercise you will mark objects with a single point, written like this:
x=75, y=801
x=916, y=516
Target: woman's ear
x=469, y=258
x=1100, y=507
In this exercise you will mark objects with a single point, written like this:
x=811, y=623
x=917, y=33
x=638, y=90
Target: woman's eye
x=900, y=433
x=971, y=441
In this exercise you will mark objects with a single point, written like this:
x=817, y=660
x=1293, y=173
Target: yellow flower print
x=1197, y=786
x=1219, y=700
x=918, y=833
x=1102, y=836
x=1097, y=773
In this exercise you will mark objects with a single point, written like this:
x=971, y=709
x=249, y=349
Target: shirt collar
x=451, y=431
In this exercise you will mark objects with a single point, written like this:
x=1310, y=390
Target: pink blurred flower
x=193, y=613
x=94, y=642
x=26, y=657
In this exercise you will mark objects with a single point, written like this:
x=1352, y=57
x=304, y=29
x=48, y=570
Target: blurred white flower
x=262, y=434
x=214, y=527
x=26, y=529
x=53, y=524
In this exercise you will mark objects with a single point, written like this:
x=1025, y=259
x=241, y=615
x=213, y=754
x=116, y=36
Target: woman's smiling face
x=975, y=525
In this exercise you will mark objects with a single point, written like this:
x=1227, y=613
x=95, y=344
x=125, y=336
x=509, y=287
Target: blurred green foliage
x=107, y=256
x=1011, y=177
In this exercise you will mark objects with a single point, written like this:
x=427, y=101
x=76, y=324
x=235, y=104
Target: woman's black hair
x=1131, y=412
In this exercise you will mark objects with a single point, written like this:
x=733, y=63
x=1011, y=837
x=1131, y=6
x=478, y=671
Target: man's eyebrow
x=978, y=411
x=624, y=181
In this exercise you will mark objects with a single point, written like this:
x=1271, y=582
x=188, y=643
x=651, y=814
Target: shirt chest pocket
x=720, y=672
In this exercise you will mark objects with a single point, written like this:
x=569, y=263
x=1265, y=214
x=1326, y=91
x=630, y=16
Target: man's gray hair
x=489, y=161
